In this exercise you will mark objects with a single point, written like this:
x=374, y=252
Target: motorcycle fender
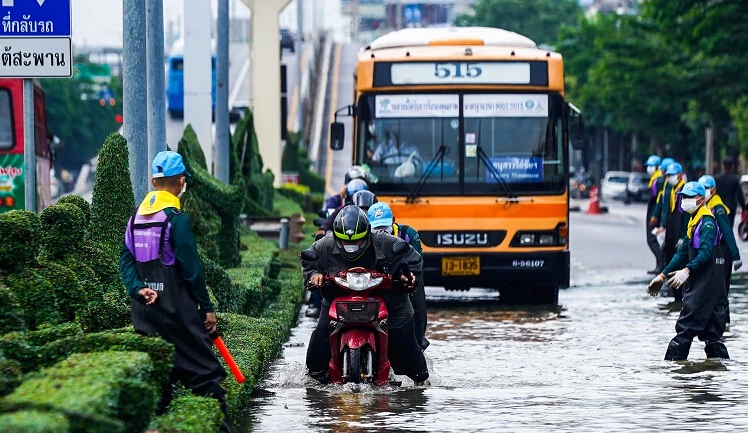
x=357, y=338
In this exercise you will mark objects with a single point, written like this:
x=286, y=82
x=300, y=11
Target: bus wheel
x=545, y=295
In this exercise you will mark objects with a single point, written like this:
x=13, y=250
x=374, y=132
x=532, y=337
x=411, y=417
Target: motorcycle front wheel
x=743, y=231
x=354, y=365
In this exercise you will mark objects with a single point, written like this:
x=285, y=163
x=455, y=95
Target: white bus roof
x=425, y=36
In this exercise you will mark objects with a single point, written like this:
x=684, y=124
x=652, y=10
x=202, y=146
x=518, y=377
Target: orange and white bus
x=469, y=134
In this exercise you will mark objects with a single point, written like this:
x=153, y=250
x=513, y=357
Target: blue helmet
x=355, y=186
x=707, y=181
x=693, y=189
x=674, y=168
x=666, y=163
x=380, y=215
x=653, y=160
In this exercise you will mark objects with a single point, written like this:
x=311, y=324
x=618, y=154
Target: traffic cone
x=594, y=208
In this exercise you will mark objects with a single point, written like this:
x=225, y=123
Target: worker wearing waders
x=656, y=182
x=732, y=253
x=672, y=218
x=162, y=272
x=700, y=263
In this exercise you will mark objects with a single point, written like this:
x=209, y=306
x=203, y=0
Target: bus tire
x=545, y=295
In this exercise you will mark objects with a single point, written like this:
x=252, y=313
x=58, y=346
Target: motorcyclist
x=352, y=244
x=364, y=199
x=337, y=201
x=351, y=188
x=382, y=219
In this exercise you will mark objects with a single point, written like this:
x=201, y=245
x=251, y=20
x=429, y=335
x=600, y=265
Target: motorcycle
x=358, y=322
x=743, y=226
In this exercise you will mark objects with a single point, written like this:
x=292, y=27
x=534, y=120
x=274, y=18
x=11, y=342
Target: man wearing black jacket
x=728, y=187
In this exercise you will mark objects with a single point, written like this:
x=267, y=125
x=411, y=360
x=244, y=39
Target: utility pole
x=299, y=56
x=29, y=148
x=709, y=154
x=156, y=81
x=222, y=93
x=399, y=14
x=135, y=94
x=355, y=18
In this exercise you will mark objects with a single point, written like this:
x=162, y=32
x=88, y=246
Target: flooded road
x=592, y=364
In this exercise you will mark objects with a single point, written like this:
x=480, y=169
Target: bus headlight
x=546, y=240
x=527, y=239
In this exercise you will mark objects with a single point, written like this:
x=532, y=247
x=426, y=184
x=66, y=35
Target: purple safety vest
x=144, y=241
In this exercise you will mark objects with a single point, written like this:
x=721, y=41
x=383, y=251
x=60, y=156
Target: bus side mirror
x=576, y=128
x=337, y=136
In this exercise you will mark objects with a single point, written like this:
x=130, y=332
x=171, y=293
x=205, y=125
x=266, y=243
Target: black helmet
x=357, y=172
x=351, y=225
x=364, y=199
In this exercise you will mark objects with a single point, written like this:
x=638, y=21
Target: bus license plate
x=460, y=265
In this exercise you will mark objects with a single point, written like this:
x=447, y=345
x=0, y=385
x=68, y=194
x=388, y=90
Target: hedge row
x=102, y=392
x=189, y=413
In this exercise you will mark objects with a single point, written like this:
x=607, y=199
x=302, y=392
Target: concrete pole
x=399, y=16
x=299, y=56
x=222, y=93
x=266, y=70
x=29, y=147
x=135, y=95
x=198, y=97
x=709, y=154
x=156, y=80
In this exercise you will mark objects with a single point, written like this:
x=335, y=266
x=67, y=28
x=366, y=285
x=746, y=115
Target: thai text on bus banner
x=523, y=169
x=417, y=106
x=505, y=105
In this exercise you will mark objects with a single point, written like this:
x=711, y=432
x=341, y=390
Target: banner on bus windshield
x=458, y=73
x=522, y=169
x=12, y=193
x=417, y=106
x=505, y=105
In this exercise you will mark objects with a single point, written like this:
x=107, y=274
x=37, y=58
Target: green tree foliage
x=81, y=124
x=539, y=20
x=113, y=200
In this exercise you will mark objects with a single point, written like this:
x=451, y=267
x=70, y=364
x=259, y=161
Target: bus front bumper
x=496, y=270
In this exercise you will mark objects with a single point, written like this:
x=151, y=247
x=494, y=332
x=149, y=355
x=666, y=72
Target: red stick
x=229, y=359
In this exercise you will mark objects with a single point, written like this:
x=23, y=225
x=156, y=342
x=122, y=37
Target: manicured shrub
x=295, y=192
x=10, y=377
x=113, y=201
x=205, y=223
x=37, y=296
x=63, y=229
x=230, y=299
x=189, y=413
x=34, y=421
x=80, y=203
x=97, y=392
x=247, y=165
x=12, y=317
x=20, y=232
x=226, y=200
x=23, y=347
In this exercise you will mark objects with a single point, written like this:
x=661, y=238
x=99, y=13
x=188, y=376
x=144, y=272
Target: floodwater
x=593, y=364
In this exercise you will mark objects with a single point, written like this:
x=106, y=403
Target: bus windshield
x=464, y=144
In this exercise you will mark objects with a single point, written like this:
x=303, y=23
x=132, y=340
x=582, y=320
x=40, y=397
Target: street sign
x=35, y=38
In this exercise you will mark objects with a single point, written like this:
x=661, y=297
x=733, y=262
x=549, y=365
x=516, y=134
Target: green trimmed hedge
x=23, y=229
x=34, y=421
x=103, y=392
x=246, y=164
x=189, y=413
x=80, y=203
x=113, y=200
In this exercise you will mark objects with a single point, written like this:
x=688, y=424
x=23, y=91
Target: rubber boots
x=677, y=351
x=716, y=349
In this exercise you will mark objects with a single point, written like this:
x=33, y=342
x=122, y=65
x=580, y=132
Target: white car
x=614, y=185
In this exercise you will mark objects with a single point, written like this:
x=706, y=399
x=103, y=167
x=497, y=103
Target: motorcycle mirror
x=400, y=248
x=309, y=256
x=318, y=222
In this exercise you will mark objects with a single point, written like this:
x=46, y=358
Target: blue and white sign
x=523, y=169
x=35, y=38
x=412, y=13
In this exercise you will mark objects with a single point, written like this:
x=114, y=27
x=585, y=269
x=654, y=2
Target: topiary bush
x=189, y=413
x=20, y=231
x=34, y=421
x=36, y=295
x=98, y=392
x=10, y=377
x=205, y=223
x=80, y=203
x=226, y=200
x=113, y=200
x=248, y=166
x=63, y=229
x=12, y=318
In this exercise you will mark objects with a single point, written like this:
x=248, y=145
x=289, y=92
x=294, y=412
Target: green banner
x=12, y=192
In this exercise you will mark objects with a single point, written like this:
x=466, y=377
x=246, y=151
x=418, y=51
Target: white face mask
x=673, y=179
x=184, y=189
x=385, y=229
x=689, y=205
x=709, y=194
x=372, y=128
x=651, y=169
x=350, y=248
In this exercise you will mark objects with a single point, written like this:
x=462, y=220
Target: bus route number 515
x=457, y=70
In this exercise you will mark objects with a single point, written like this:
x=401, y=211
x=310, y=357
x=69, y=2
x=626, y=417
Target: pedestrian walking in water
x=162, y=272
x=721, y=213
x=698, y=268
x=672, y=217
x=656, y=183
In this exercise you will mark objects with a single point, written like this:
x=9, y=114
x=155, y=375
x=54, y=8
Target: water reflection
x=592, y=364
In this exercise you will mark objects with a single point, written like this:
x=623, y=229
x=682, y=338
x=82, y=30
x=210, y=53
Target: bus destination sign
x=532, y=73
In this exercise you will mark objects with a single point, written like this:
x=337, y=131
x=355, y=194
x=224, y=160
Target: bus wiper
x=495, y=173
x=438, y=158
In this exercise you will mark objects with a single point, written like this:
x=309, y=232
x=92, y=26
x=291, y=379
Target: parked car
x=287, y=41
x=638, y=187
x=614, y=185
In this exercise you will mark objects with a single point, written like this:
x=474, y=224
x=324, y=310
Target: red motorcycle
x=743, y=226
x=358, y=323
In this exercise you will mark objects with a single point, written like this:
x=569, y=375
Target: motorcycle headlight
x=358, y=281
